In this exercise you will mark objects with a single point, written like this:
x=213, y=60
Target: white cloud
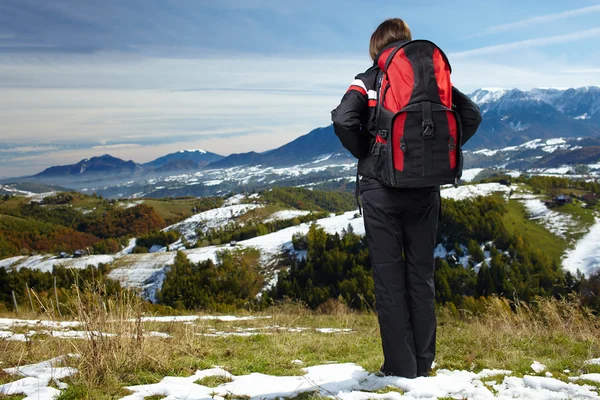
x=542, y=19
x=116, y=146
x=529, y=43
x=27, y=149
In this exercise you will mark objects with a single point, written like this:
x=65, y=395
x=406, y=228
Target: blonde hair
x=389, y=31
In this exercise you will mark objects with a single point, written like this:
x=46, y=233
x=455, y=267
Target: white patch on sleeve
x=359, y=83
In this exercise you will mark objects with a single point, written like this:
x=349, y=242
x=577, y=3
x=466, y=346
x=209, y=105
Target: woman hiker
x=406, y=127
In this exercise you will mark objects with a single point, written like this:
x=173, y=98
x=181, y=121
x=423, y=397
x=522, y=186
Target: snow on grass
x=233, y=200
x=129, y=248
x=18, y=337
x=588, y=377
x=471, y=191
x=9, y=323
x=286, y=214
x=179, y=388
x=36, y=380
x=556, y=223
x=585, y=256
x=142, y=271
x=351, y=382
x=130, y=204
x=45, y=263
x=215, y=218
x=39, y=197
x=538, y=367
x=334, y=330
x=469, y=174
x=8, y=262
x=191, y=318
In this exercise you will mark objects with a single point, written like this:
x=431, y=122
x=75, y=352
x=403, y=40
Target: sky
x=138, y=79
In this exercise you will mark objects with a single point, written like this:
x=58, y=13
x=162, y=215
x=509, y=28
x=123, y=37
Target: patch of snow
x=157, y=248
x=39, y=197
x=233, y=200
x=36, y=380
x=471, y=191
x=334, y=330
x=213, y=182
x=440, y=251
x=191, y=318
x=129, y=248
x=558, y=170
x=193, y=151
x=322, y=158
x=212, y=219
x=583, y=116
x=8, y=323
x=588, y=377
x=552, y=142
x=469, y=174
x=352, y=382
x=538, y=367
x=557, y=223
x=286, y=214
x=486, y=152
x=585, y=256
x=593, y=361
x=532, y=144
x=131, y=204
x=179, y=388
x=513, y=174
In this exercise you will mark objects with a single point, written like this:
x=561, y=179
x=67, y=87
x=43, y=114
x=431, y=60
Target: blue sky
x=141, y=78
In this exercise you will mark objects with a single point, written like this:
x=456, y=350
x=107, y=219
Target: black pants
x=401, y=229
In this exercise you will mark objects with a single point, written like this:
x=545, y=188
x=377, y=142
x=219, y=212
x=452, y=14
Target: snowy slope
x=472, y=191
x=215, y=218
x=585, y=256
x=555, y=222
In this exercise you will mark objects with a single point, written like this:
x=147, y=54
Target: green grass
x=212, y=381
x=172, y=209
x=554, y=333
x=259, y=214
x=516, y=221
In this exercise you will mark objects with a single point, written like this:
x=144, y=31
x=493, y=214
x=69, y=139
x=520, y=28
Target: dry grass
x=557, y=333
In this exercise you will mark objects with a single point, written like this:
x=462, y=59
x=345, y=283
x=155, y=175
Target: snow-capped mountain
x=182, y=160
x=520, y=130
x=512, y=117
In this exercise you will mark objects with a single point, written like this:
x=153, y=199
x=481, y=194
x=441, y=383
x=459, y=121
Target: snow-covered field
x=472, y=191
x=211, y=219
x=469, y=174
x=585, y=256
x=346, y=381
x=557, y=223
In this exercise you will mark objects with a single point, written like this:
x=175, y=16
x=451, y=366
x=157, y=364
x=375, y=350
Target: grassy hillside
x=516, y=222
x=551, y=332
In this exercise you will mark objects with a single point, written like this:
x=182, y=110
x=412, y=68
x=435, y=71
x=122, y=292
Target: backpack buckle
x=427, y=130
x=383, y=133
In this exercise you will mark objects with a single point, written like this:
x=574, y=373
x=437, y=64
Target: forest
x=501, y=261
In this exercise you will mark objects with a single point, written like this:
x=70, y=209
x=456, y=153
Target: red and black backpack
x=418, y=134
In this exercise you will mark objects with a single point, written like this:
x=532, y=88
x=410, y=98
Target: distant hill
x=584, y=155
x=182, y=160
x=318, y=144
x=103, y=165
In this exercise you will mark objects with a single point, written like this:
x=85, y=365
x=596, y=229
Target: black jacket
x=354, y=119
